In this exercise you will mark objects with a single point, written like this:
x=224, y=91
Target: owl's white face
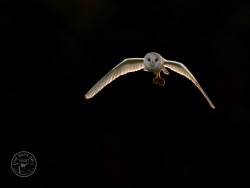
x=153, y=62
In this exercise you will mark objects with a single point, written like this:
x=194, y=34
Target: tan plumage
x=126, y=66
x=182, y=69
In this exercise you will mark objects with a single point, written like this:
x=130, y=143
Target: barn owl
x=152, y=62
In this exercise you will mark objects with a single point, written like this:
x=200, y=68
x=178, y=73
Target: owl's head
x=153, y=62
x=153, y=58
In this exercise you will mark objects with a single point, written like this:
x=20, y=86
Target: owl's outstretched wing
x=183, y=70
x=126, y=66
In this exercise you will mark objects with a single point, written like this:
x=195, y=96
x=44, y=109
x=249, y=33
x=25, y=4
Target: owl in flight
x=152, y=62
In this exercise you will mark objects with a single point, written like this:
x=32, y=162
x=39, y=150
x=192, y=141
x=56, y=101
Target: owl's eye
x=156, y=59
x=148, y=59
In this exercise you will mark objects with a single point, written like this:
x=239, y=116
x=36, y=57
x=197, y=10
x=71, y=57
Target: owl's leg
x=159, y=80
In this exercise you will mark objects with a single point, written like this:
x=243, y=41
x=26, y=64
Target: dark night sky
x=133, y=133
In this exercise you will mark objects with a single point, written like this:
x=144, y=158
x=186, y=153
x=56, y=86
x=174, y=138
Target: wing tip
x=87, y=97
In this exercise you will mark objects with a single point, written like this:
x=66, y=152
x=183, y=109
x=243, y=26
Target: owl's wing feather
x=183, y=70
x=126, y=66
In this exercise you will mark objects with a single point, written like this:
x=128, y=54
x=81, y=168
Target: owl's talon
x=159, y=81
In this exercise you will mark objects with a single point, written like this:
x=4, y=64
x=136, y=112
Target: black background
x=133, y=133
